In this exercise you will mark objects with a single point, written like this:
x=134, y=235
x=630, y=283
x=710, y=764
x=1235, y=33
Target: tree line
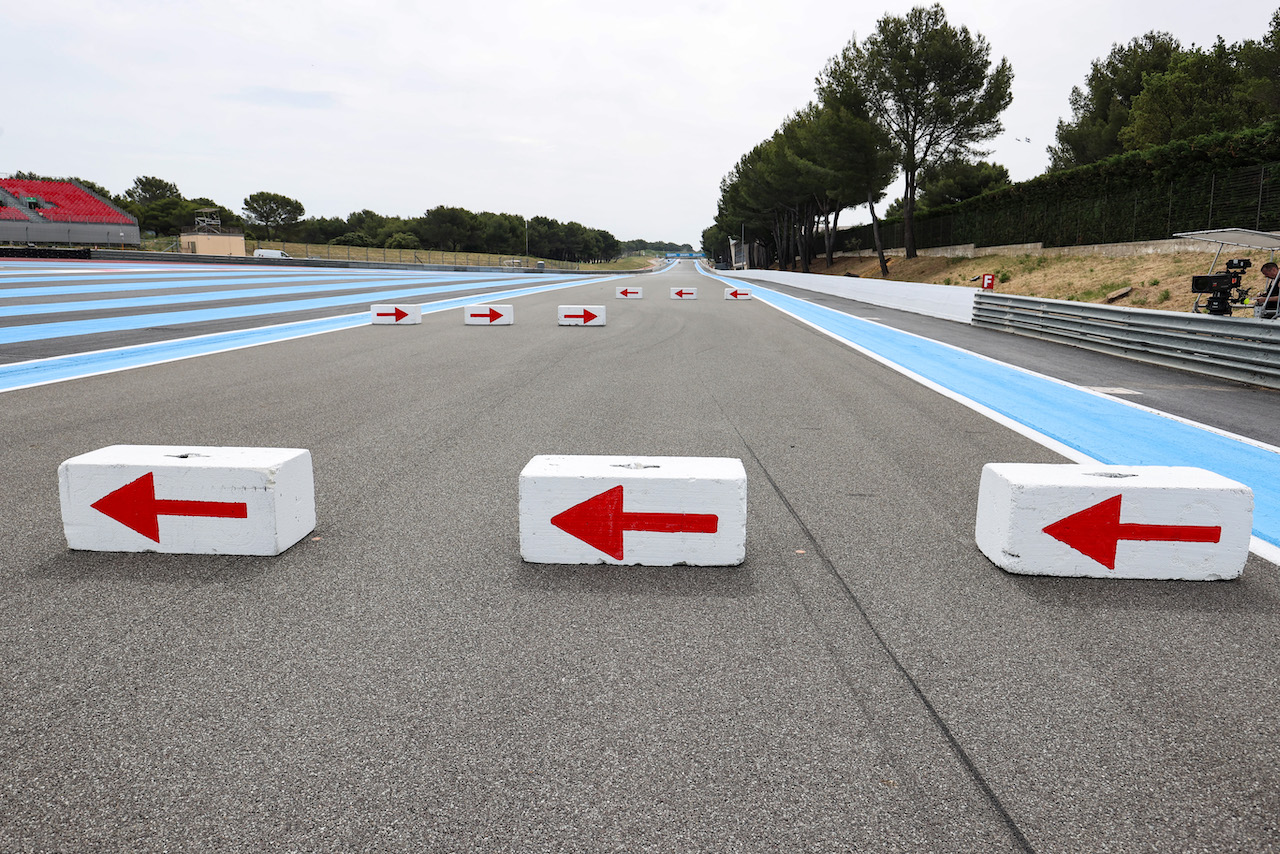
x=1153, y=91
x=161, y=209
x=919, y=96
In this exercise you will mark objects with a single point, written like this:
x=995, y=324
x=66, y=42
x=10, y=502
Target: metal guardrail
x=1242, y=349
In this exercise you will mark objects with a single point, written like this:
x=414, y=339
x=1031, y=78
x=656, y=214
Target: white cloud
x=620, y=118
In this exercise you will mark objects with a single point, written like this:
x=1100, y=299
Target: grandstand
x=61, y=212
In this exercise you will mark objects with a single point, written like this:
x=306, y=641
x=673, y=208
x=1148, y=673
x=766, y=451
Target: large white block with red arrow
x=684, y=293
x=737, y=294
x=651, y=511
x=397, y=315
x=489, y=315
x=628, y=292
x=187, y=500
x=1114, y=521
x=581, y=315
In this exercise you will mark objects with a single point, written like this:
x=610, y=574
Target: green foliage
x=932, y=88
x=1165, y=296
x=1151, y=92
x=352, y=238
x=1261, y=63
x=1101, y=110
x=451, y=229
x=147, y=190
x=1187, y=185
x=272, y=210
x=957, y=180
x=1201, y=91
x=630, y=246
x=715, y=243
x=319, y=229
x=403, y=240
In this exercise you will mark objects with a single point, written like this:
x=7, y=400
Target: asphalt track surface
x=401, y=680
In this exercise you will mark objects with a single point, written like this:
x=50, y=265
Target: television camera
x=1223, y=287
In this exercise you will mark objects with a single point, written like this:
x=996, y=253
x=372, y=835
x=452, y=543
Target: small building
x=208, y=237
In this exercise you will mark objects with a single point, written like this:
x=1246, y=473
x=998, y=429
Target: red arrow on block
x=398, y=314
x=626, y=293
x=682, y=293
x=493, y=314
x=600, y=521
x=135, y=506
x=736, y=293
x=586, y=316
x=1096, y=531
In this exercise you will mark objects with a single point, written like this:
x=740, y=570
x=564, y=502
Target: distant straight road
x=401, y=680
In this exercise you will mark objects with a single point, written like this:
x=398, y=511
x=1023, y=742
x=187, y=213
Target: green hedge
x=1214, y=181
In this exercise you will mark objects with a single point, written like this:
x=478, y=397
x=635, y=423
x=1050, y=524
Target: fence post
x=1213, y=180
x=1262, y=174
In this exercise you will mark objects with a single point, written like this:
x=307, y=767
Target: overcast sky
x=620, y=118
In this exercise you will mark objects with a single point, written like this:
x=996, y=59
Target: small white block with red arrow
x=1114, y=521
x=628, y=293
x=187, y=500
x=651, y=511
x=581, y=315
x=489, y=315
x=737, y=293
x=398, y=315
x=684, y=293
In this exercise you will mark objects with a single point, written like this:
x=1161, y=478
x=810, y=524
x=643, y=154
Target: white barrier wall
x=949, y=302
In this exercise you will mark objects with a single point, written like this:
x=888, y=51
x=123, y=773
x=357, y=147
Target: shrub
x=403, y=240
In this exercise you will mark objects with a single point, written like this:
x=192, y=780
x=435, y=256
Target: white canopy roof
x=1245, y=237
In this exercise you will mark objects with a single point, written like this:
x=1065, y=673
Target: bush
x=352, y=238
x=403, y=240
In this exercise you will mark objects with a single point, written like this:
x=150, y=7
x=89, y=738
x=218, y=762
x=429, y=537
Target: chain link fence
x=382, y=255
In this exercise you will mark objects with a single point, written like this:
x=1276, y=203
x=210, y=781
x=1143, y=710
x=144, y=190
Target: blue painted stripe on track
x=312, y=287
x=1110, y=431
x=220, y=271
x=167, y=283
x=69, y=328
x=78, y=365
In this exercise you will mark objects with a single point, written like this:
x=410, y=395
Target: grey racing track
x=401, y=681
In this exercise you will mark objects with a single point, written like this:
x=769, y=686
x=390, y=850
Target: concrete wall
x=945, y=301
x=1110, y=250
x=90, y=234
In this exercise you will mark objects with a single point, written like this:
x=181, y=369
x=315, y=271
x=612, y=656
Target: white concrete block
x=1114, y=521
x=652, y=511
x=737, y=294
x=397, y=314
x=581, y=315
x=489, y=315
x=684, y=293
x=187, y=500
x=629, y=292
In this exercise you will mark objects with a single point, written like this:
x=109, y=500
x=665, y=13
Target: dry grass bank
x=1158, y=281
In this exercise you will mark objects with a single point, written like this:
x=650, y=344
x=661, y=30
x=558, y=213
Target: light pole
x=526, y=240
